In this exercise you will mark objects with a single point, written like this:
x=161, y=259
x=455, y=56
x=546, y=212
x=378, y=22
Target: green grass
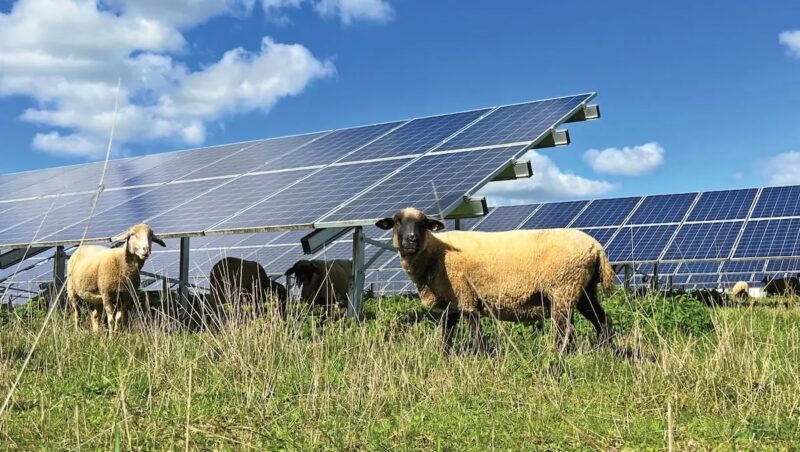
x=733, y=382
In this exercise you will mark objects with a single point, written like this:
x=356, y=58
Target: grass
x=385, y=385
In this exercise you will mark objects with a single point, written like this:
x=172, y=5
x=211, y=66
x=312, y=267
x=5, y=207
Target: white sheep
x=108, y=278
x=741, y=290
x=523, y=275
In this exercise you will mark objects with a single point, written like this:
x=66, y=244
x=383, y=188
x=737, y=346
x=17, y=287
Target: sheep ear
x=291, y=271
x=122, y=237
x=434, y=225
x=156, y=239
x=385, y=224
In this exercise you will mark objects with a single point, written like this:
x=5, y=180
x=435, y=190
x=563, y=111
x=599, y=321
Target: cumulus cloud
x=347, y=11
x=46, y=54
x=791, y=39
x=548, y=183
x=628, y=161
x=781, y=169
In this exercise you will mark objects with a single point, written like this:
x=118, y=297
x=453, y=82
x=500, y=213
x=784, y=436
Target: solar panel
x=641, y=243
x=743, y=266
x=770, y=238
x=554, y=215
x=662, y=209
x=25, y=212
x=333, y=146
x=723, y=205
x=698, y=268
x=704, y=241
x=606, y=212
x=418, y=136
x=602, y=235
x=783, y=265
x=468, y=224
x=254, y=156
x=506, y=218
x=704, y=279
x=778, y=202
x=435, y=181
x=664, y=268
x=306, y=202
x=732, y=278
x=517, y=123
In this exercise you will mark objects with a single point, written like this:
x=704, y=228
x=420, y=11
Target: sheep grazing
x=523, y=275
x=781, y=286
x=741, y=290
x=238, y=279
x=323, y=282
x=108, y=278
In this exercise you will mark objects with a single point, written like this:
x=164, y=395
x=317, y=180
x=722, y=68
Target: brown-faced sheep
x=108, y=278
x=323, y=282
x=781, y=286
x=234, y=279
x=741, y=290
x=521, y=275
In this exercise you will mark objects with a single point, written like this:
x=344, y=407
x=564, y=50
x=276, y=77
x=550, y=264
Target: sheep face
x=138, y=240
x=411, y=228
x=309, y=278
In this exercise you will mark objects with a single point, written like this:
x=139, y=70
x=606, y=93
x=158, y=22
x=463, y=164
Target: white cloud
x=781, y=169
x=350, y=11
x=548, y=183
x=738, y=175
x=46, y=54
x=791, y=39
x=629, y=161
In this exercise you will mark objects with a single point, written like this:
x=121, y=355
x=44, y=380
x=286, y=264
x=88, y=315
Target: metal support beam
x=518, y=170
x=184, y=275
x=628, y=278
x=59, y=276
x=470, y=207
x=587, y=113
x=319, y=238
x=457, y=224
x=378, y=244
x=356, y=296
x=16, y=255
x=555, y=138
x=655, y=276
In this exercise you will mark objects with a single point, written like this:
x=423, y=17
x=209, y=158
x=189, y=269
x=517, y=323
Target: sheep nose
x=411, y=238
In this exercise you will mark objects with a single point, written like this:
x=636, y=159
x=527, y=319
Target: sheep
x=323, y=282
x=741, y=290
x=522, y=275
x=781, y=286
x=108, y=278
x=234, y=277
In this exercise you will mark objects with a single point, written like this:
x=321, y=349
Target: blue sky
x=694, y=95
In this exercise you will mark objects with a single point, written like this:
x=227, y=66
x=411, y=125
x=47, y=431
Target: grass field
x=385, y=385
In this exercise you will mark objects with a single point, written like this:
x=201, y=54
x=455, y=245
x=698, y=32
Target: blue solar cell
x=770, y=238
x=704, y=279
x=277, y=259
x=662, y=209
x=730, y=279
x=606, y=212
x=602, y=235
x=317, y=195
x=723, y=205
x=664, y=268
x=778, y=202
x=468, y=224
x=516, y=123
x=743, y=266
x=123, y=215
x=224, y=201
x=430, y=183
x=418, y=136
x=506, y=218
x=680, y=279
x=699, y=268
x=783, y=265
x=254, y=155
x=292, y=237
x=332, y=146
x=642, y=243
x=704, y=240
x=554, y=215
x=262, y=238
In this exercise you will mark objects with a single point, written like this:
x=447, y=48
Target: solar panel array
x=345, y=176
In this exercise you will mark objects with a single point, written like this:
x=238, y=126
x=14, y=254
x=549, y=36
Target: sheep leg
x=73, y=302
x=590, y=308
x=478, y=343
x=564, y=331
x=109, y=308
x=120, y=318
x=96, y=316
x=450, y=320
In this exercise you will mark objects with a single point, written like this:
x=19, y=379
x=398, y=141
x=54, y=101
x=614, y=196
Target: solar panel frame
x=606, y=212
x=773, y=238
x=630, y=239
x=555, y=215
x=507, y=218
x=698, y=241
x=662, y=209
x=723, y=205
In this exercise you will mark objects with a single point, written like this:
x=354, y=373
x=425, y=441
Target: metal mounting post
x=655, y=276
x=628, y=278
x=59, y=276
x=184, y=276
x=356, y=296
